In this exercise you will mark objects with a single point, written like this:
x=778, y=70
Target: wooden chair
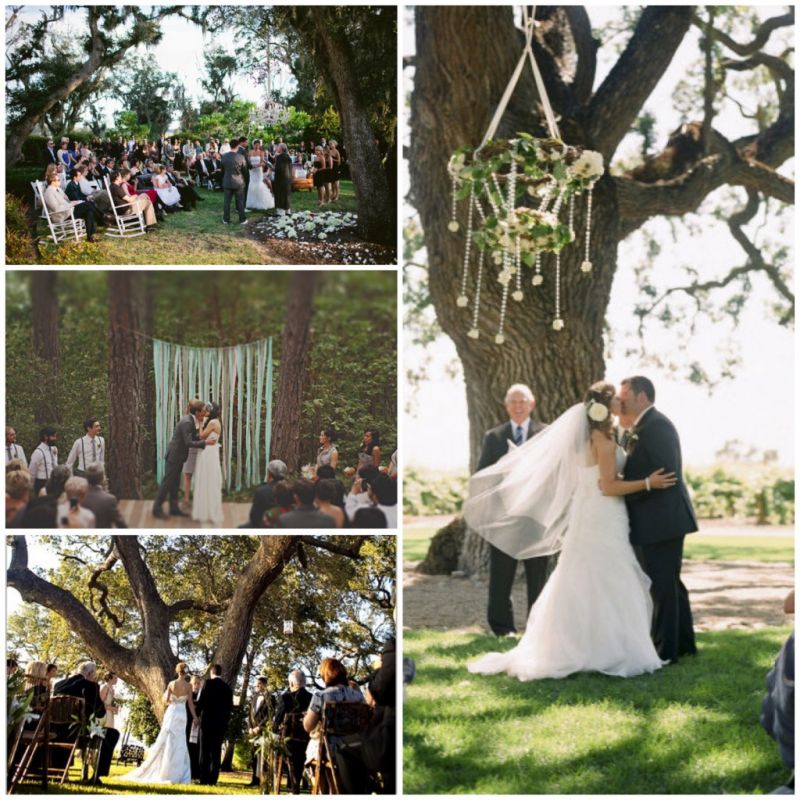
x=71, y=228
x=27, y=739
x=128, y=224
x=292, y=730
x=338, y=719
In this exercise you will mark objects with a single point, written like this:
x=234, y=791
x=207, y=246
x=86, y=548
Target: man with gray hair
x=520, y=403
x=71, y=513
x=103, y=505
x=295, y=702
x=263, y=498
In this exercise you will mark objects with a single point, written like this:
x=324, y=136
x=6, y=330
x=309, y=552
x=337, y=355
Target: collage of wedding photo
x=509, y=290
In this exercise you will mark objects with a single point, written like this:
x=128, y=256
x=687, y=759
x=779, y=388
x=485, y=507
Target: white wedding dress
x=259, y=196
x=207, y=489
x=595, y=610
x=168, y=759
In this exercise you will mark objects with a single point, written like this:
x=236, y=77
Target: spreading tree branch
x=196, y=605
x=585, y=51
x=94, y=583
x=761, y=37
x=350, y=551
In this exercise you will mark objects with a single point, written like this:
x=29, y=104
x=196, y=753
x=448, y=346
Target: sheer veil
x=521, y=504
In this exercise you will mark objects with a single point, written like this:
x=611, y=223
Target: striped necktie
x=518, y=437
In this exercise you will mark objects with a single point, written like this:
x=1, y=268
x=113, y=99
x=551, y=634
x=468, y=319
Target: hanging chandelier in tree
x=521, y=196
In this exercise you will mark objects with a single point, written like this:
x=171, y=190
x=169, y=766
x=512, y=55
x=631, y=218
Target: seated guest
x=359, y=493
x=167, y=193
x=327, y=472
x=336, y=690
x=295, y=700
x=127, y=204
x=305, y=515
x=382, y=494
x=61, y=209
x=36, y=682
x=369, y=517
x=262, y=497
x=79, y=188
x=71, y=514
x=392, y=471
x=136, y=187
x=189, y=196
x=41, y=512
x=18, y=494
x=284, y=503
x=102, y=504
x=54, y=486
x=84, y=684
x=326, y=493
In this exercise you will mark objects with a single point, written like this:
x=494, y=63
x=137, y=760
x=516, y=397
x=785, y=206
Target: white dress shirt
x=14, y=451
x=84, y=453
x=86, y=518
x=43, y=459
x=525, y=425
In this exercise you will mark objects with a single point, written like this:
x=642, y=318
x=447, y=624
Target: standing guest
x=18, y=495
x=107, y=691
x=129, y=204
x=336, y=169
x=103, y=505
x=62, y=152
x=50, y=154
x=61, y=209
x=44, y=458
x=305, y=515
x=263, y=498
x=282, y=182
x=169, y=152
x=326, y=494
x=327, y=453
x=71, y=514
x=234, y=172
x=318, y=172
x=259, y=712
x=295, y=700
x=370, y=452
x=13, y=451
x=89, y=449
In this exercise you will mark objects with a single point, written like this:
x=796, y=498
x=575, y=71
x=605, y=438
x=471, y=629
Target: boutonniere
x=633, y=437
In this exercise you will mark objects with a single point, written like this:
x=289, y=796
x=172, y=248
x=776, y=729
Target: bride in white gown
x=594, y=613
x=168, y=758
x=258, y=194
x=207, y=491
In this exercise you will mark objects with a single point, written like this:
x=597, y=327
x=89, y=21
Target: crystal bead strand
x=546, y=199
x=462, y=300
x=572, y=217
x=518, y=295
x=453, y=224
x=586, y=265
x=558, y=323
x=473, y=332
x=538, y=278
x=499, y=338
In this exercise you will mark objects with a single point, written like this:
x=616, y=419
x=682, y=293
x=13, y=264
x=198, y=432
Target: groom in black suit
x=659, y=520
x=214, y=710
x=521, y=426
x=183, y=439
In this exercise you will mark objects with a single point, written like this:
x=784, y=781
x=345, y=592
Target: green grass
x=192, y=237
x=229, y=783
x=699, y=547
x=688, y=728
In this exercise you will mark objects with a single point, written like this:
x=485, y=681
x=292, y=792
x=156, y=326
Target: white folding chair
x=70, y=228
x=128, y=225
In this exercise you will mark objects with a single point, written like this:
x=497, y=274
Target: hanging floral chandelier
x=521, y=197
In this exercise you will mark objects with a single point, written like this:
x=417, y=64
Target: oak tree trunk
x=148, y=327
x=293, y=369
x=44, y=304
x=126, y=382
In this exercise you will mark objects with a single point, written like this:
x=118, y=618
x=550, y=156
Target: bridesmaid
x=370, y=453
x=327, y=453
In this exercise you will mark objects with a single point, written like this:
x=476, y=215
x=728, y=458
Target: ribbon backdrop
x=238, y=379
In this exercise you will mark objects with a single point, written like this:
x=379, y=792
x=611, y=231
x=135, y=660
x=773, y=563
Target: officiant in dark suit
x=659, y=520
x=234, y=171
x=183, y=439
x=213, y=708
x=520, y=427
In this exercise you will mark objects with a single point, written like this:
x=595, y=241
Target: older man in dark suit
x=521, y=426
x=103, y=505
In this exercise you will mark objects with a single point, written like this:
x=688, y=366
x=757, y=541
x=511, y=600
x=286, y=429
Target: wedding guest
x=89, y=449
x=282, y=181
x=382, y=494
x=283, y=504
x=392, y=471
x=44, y=458
x=72, y=514
x=187, y=192
x=52, y=673
x=56, y=482
x=41, y=512
x=263, y=498
x=370, y=452
x=295, y=700
x=259, y=712
x=167, y=193
x=369, y=517
x=336, y=169
x=103, y=505
x=78, y=189
x=334, y=676
x=359, y=492
x=11, y=666
x=18, y=495
x=318, y=174
x=327, y=454
x=128, y=204
x=13, y=451
x=50, y=154
x=305, y=515
x=326, y=494
x=107, y=692
x=328, y=473
x=61, y=209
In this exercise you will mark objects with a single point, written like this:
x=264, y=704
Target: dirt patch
x=724, y=595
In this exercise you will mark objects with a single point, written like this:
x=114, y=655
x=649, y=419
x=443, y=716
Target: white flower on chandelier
x=504, y=278
x=597, y=412
x=587, y=167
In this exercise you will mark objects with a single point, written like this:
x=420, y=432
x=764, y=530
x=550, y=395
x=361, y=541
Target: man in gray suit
x=184, y=438
x=102, y=504
x=234, y=170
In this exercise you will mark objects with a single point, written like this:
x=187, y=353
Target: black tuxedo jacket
x=495, y=442
x=263, y=500
x=660, y=514
x=50, y=156
x=214, y=706
x=78, y=686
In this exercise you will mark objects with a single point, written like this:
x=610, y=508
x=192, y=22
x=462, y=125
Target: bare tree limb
x=761, y=37
x=352, y=551
x=94, y=583
x=710, y=87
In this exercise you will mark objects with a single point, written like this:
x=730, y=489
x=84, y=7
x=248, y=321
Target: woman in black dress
x=320, y=175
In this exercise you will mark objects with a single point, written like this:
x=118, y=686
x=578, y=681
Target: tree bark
x=126, y=382
x=44, y=304
x=148, y=328
x=293, y=369
x=377, y=206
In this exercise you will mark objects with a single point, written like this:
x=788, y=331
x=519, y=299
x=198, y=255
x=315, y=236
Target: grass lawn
x=699, y=547
x=229, y=783
x=688, y=728
x=192, y=237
